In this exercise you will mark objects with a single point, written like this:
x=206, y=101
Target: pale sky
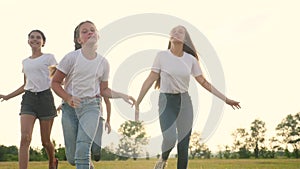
x=256, y=43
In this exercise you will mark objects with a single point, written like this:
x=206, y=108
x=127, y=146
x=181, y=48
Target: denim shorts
x=39, y=104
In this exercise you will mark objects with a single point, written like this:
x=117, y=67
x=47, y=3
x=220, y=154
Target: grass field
x=193, y=164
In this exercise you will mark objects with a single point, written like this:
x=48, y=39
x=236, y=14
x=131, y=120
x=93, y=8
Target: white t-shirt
x=37, y=72
x=83, y=76
x=175, y=71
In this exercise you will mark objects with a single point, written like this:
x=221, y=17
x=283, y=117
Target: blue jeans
x=79, y=128
x=176, y=122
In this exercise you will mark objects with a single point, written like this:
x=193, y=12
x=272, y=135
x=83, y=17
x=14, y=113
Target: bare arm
x=56, y=85
x=105, y=91
x=204, y=83
x=15, y=93
x=153, y=76
x=108, y=112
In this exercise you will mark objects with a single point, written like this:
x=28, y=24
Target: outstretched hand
x=130, y=100
x=3, y=97
x=233, y=104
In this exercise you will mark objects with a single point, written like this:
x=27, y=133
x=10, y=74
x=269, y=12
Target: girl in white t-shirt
x=85, y=74
x=172, y=69
x=37, y=102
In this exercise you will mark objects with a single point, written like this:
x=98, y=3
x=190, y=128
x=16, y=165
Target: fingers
x=74, y=102
x=133, y=101
x=236, y=105
x=107, y=127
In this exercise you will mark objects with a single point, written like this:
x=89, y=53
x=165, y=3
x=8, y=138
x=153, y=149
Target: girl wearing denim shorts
x=85, y=74
x=172, y=69
x=37, y=101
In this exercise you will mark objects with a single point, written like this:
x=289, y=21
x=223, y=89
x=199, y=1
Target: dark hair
x=76, y=33
x=40, y=32
x=188, y=47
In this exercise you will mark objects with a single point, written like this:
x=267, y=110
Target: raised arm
x=15, y=93
x=153, y=76
x=56, y=85
x=204, y=83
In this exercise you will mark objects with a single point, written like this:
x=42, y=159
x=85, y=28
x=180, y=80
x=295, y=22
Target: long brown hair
x=188, y=47
x=76, y=34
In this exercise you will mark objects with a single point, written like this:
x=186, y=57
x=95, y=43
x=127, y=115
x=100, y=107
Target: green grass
x=193, y=164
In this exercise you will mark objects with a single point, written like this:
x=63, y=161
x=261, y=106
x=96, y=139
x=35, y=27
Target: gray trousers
x=176, y=122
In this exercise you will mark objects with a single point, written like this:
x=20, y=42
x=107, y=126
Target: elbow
x=52, y=84
x=103, y=93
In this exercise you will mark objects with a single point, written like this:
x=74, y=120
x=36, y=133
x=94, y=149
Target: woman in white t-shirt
x=172, y=69
x=37, y=102
x=85, y=74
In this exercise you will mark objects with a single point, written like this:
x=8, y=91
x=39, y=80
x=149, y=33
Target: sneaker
x=97, y=156
x=161, y=164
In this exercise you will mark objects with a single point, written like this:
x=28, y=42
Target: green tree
x=227, y=152
x=241, y=143
x=289, y=132
x=61, y=153
x=8, y=153
x=198, y=149
x=36, y=155
x=257, y=138
x=195, y=145
x=274, y=146
x=132, y=141
x=107, y=154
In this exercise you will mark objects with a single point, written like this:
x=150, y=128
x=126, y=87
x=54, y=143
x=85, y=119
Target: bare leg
x=46, y=127
x=27, y=123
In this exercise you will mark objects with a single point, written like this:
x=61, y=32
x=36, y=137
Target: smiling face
x=88, y=34
x=36, y=40
x=177, y=34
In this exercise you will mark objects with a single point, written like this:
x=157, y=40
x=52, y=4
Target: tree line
x=251, y=143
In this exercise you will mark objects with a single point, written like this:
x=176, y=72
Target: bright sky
x=256, y=42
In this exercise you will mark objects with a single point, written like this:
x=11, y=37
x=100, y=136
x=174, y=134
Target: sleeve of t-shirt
x=106, y=71
x=52, y=60
x=156, y=64
x=66, y=64
x=196, y=70
x=22, y=66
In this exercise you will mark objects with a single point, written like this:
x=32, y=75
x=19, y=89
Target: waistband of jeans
x=175, y=94
x=37, y=93
x=91, y=97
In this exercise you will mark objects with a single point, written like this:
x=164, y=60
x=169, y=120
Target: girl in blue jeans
x=172, y=69
x=85, y=75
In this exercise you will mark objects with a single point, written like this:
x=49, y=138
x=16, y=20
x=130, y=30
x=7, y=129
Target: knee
x=25, y=140
x=70, y=159
x=82, y=154
x=170, y=140
x=82, y=149
x=46, y=143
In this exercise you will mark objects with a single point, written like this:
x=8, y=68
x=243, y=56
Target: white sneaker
x=161, y=164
